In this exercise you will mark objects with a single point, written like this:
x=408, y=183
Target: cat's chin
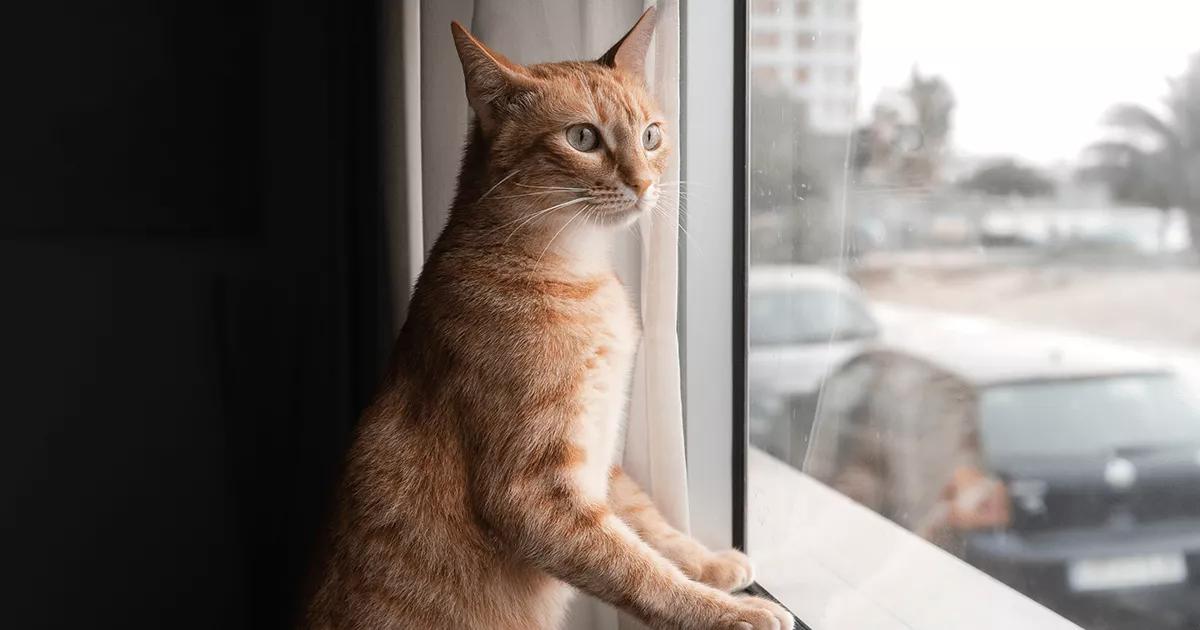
x=620, y=218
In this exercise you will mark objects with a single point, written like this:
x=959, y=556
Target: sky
x=1032, y=78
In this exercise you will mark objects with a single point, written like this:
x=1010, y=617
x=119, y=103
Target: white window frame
x=709, y=267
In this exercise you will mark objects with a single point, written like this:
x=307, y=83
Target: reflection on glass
x=974, y=286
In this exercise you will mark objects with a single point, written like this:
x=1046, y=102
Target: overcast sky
x=1032, y=77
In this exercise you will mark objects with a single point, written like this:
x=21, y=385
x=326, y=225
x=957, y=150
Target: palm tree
x=1156, y=161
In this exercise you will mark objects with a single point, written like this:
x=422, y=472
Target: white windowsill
x=840, y=566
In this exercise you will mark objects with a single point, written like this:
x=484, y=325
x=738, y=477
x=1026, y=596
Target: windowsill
x=838, y=565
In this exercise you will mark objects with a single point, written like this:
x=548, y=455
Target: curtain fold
x=530, y=31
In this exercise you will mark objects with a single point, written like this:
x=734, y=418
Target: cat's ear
x=491, y=78
x=629, y=54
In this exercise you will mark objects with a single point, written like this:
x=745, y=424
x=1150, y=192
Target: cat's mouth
x=618, y=207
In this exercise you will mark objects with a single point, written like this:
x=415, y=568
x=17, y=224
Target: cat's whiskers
x=528, y=194
x=562, y=188
x=591, y=214
x=560, y=231
x=683, y=199
x=658, y=208
x=679, y=183
x=525, y=220
x=497, y=184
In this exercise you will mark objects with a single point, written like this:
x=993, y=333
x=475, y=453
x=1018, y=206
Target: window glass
x=1094, y=416
x=806, y=316
x=974, y=286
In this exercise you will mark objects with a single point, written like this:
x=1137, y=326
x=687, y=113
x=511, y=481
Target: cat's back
x=404, y=537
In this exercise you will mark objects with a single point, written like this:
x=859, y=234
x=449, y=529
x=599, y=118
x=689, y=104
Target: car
x=1067, y=467
x=803, y=322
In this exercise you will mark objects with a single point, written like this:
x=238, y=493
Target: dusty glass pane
x=974, y=295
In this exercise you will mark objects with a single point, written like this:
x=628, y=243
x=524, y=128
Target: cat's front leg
x=728, y=570
x=533, y=503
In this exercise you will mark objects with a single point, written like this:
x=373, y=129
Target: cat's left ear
x=492, y=80
x=629, y=54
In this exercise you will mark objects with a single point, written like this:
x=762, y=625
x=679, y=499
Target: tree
x=1005, y=177
x=933, y=102
x=903, y=145
x=1156, y=161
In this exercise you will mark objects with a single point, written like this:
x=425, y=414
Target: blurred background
x=974, y=286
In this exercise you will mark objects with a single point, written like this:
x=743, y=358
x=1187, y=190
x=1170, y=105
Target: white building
x=809, y=49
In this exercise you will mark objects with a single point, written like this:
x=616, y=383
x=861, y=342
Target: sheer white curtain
x=426, y=123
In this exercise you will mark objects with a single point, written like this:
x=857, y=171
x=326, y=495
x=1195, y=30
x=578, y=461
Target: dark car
x=1067, y=468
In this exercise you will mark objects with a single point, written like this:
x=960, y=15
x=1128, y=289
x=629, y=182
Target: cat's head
x=583, y=138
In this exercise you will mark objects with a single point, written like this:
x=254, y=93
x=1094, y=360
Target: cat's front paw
x=756, y=613
x=728, y=570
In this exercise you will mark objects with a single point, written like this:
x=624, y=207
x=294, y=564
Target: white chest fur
x=604, y=390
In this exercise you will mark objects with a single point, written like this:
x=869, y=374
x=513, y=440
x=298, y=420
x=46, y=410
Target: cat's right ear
x=629, y=54
x=492, y=80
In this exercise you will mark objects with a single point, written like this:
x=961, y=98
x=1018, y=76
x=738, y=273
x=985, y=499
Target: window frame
x=714, y=269
x=715, y=257
x=708, y=269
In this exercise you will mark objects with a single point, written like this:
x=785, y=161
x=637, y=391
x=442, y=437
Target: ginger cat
x=481, y=488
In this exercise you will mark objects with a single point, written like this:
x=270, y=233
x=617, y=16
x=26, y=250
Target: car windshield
x=806, y=316
x=1088, y=416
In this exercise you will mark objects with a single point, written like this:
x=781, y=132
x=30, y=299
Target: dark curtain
x=192, y=302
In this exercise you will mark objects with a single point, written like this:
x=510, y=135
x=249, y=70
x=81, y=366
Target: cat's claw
x=728, y=571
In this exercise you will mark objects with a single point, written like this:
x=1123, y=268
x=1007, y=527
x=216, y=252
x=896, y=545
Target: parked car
x=804, y=321
x=1067, y=467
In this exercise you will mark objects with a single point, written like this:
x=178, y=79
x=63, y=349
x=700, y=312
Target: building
x=809, y=50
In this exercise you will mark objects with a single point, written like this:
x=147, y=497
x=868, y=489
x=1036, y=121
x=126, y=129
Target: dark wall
x=191, y=303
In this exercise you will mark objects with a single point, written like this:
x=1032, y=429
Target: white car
x=803, y=322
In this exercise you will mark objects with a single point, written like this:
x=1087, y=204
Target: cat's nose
x=640, y=186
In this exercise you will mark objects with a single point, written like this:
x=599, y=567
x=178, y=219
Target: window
x=766, y=75
x=797, y=316
x=1104, y=415
x=803, y=7
x=766, y=40
x=969, y=313
x=766, y=7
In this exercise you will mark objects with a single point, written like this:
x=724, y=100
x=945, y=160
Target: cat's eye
x=583, y=137
x=652, y=137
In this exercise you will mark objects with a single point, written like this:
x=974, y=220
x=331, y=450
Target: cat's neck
x=473, y=169
x=563, y=245
x=584, y=250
